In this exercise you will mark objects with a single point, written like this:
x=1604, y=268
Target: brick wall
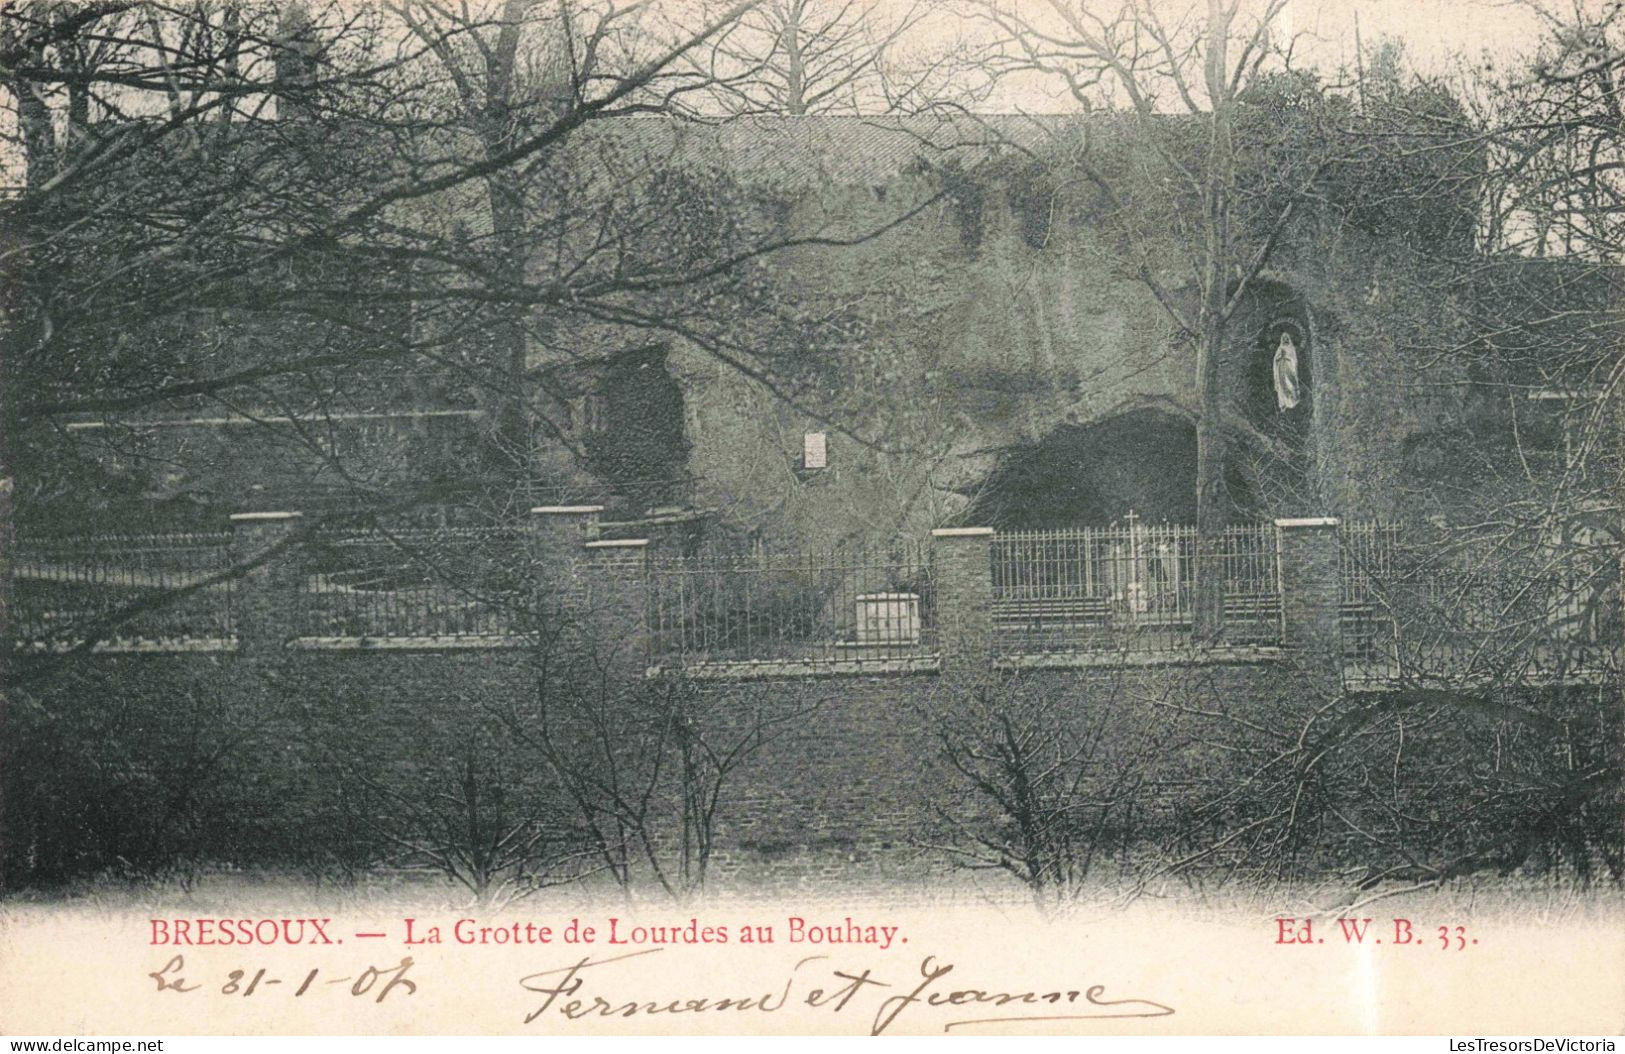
x=278, y=750
x=963, y=570
x=1311, y=584
x=286, y=754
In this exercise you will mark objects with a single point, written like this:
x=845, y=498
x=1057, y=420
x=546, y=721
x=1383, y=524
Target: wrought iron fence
x=1515, y=607
x=378, y=583
x=122, y=587
x=1440, y=605
x=819, y=608
x=1128, y=586
x=1368, y=565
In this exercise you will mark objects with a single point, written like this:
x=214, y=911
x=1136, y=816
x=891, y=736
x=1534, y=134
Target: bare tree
x=1212, y=164
x=1390, y=792
x=267, y=169
x=305, y=213
x=1142, y=785
x=853, y=57
x=1155, y=63
x=477, y=818
x=1517, y=579
x=644, y=769
x=1065, y=792
x=299, y=212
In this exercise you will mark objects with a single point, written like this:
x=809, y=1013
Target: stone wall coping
x=265, y=517
x=617, y=543
x=791, y=669
x=1319, y=521
x=244, y=419
x=1234, y=655
x=962, y=532
x=484, y=641
x=178, y=646
x=565, y=510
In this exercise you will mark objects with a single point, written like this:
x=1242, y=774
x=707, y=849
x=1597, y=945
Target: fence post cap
x=265, y=517
x=961, y=532
x=1316, y=521
x=565, y=510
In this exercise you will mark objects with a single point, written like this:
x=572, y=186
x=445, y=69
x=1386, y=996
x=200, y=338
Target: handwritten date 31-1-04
x=374, y=982
x=593, y=989
x=1394, y=933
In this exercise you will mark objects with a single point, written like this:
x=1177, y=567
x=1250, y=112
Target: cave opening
x=1095, y=474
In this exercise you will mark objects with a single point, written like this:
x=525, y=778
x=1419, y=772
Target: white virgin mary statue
x=1287, y=392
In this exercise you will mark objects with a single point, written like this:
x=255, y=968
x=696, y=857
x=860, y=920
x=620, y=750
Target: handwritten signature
x=567, y=992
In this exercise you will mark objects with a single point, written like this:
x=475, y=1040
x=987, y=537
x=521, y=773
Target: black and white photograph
x=537, y=517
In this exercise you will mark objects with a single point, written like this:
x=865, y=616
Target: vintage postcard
x=552, y=517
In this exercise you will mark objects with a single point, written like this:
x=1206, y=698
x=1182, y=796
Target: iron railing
x=1511, y=608
x=818, y=608
x=123, y=587
x=1368, y=565
x=1128, y=586
x=375, y=582
x=1498, y=608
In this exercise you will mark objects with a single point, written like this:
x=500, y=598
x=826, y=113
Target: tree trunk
x=1619, y=488
x=510, y=349
x=34, y=121
x=1208, y=616
x=795, y=73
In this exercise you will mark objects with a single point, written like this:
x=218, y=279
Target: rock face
x=965, y=327
x=1008, y=362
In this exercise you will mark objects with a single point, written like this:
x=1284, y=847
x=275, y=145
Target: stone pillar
x=617, y=599
x=557, y=533
x=1310, y=569
x=962, y=573
x=265, y=600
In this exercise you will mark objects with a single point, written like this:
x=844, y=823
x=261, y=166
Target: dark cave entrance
x=1095, y=474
